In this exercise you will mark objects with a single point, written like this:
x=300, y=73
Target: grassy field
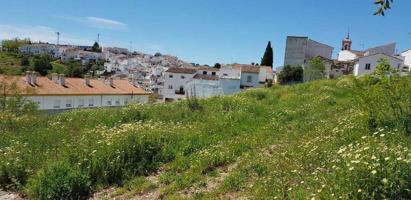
x=346, y=139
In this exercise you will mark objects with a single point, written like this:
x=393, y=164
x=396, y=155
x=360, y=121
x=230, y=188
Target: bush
x=59, y=181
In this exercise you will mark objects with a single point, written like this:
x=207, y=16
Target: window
x=170, y=76
x=117, y=102
x=249, y=79
x=213, y=73
x=183, y=77
x=109, y=102
x=368, y=66
x=56, y=103
x=170, y=87
x=225, y=74
x=81, y=103
x=69, y=103
x=205, y=72
x=91, y=102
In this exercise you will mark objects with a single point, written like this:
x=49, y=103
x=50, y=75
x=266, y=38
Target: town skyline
x=176, y=28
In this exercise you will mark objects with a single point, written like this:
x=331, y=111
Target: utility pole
x=131, y=46
x=58, y=38
x=98, y=38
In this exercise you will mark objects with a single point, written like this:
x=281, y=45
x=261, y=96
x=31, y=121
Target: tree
x=291, y=74
x=43, y=65
x=267, y=59
x=158, y=54
x=315, y=69
x=383, y=5
x=96, y=48
x=11, y=100
x=217, y=65
x=14, y=44
x=24, y=61
x=383, y=68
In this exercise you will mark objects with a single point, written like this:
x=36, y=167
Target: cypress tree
x=267, y=60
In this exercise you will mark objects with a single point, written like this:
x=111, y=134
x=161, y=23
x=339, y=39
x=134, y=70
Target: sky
x=206, y=31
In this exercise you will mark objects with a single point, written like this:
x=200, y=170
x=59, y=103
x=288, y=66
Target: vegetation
x=14, y=44
x=96, y=47
x=10, y=63
x=268, y=59
x=325, y=139
x=383, y=5
x=315, y=69
x=290, y=75
x=42, y=64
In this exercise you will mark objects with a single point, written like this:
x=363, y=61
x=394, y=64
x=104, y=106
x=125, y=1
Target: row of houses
x=60, y=93
x=299, y=50
x=204, y=81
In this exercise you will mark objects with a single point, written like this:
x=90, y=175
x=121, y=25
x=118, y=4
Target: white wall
x=407, y=60
x=254, y=79
x=359, y=68
x=230, y=86
x=265, y=74
x=346, y=55
x=176, y=81
x=85, y=101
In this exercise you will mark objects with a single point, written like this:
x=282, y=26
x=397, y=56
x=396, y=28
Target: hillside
x=347, y=139
x=10, y=63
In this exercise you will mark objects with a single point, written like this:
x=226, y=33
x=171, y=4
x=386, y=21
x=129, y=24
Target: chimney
x=34, y=78
x=28, y=78
x=55, y=78
x=62, y=79
x=87, y=80
x=111, y=82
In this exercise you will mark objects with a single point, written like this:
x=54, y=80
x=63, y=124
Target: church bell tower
x=346, y=43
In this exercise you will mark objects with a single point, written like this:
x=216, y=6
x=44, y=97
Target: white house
x=60, y=93
x=367, y=64
x=205, y=86
x=249, y=75
x=176, y=80
x=41, y=49
x=407, y=60
x=266, y=73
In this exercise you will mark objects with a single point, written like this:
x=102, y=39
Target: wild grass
x=304, y=141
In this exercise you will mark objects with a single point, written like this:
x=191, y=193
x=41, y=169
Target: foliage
x=12, y=101
x=383, y=5
x=315, y=69
x=303, y=141
x=96, y=47
x=42, y=64
x=25, y=61
x=383, y=68
x=291, y=75
x=14, y=44
x=66, y=183
x=10, y=63
x=268, y=59
x=217, y=65
x=158, y=54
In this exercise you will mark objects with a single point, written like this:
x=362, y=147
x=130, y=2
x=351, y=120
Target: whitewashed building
x=266, y=74
x=407, y=60
x=367, y=64
x=176, y=80
x=60, y=93
x=249, y=75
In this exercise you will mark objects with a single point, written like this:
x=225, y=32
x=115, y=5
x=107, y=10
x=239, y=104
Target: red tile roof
x=73, y=86
x=182, y=70
x=206, y=77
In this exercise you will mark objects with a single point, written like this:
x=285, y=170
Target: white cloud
x=97, y=22
x=39, y=33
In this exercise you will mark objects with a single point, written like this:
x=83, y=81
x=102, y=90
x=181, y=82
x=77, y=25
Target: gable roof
x=182, y=70
x=73, y=86
x=380, y=54
x=208, y=68
x=248, y=68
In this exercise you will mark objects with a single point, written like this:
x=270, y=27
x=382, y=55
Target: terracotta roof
x=182, y=70
x=248, y=68
x=73, y=86
x=269, y=69
x=206, y=77
x=208, y=68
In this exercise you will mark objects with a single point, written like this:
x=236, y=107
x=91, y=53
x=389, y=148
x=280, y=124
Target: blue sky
x=206, y=31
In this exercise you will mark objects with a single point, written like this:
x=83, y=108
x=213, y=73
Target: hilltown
x=133, y=77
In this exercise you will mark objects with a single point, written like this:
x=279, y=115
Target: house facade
x=407, y=60
x=367, y=64
x=176, y=80
x=61, y=93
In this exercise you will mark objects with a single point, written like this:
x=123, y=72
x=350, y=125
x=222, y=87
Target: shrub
x=59, y=181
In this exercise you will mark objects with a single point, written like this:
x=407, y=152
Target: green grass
x=311, y=140
x=10, y=63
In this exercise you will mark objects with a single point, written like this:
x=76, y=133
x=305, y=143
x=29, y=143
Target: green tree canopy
x=268, y=59
x=96, y=47
x=42, y=64
x=291, y=74
x=14, y=44
x=383, y=67
x=383, y=5
x=315, y=69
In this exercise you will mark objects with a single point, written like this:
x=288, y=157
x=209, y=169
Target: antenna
x=58, y=38
x=131, y=46
x=98, y=38
x=363, y=46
